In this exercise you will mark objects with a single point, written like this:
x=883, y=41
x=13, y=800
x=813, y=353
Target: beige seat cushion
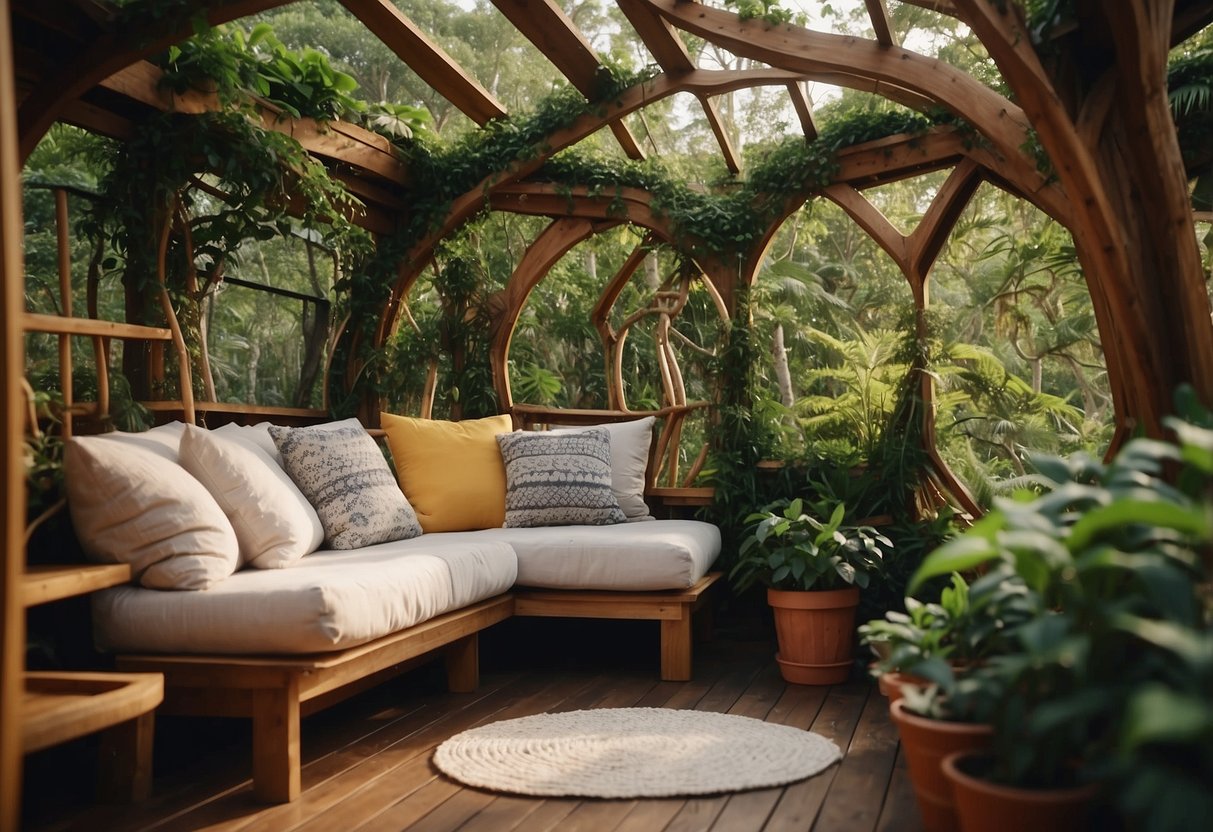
x=329, y=600
x=658, y=554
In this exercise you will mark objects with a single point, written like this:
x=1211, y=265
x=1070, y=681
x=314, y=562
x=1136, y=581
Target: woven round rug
x=632, y=752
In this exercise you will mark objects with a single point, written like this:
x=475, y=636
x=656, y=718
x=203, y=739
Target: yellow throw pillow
x=451, y=472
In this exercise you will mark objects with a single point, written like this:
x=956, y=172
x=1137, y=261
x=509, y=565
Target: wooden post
x=676, y=646
x=126, y=760
x=12, y=473
x=463, y=664
x=276, y=742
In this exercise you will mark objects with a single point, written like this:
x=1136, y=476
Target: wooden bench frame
x=674, y=609
x=276, y=691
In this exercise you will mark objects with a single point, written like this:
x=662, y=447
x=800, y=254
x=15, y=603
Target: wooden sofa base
x=673, y=609
x=275, y=691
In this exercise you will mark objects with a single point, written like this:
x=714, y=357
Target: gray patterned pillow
x=558, y=479
x=346, y=479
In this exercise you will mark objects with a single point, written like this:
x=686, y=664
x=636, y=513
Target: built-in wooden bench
x=674, y=609
x=276, y=691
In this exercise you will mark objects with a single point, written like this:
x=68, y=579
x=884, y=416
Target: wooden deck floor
x=367, y=761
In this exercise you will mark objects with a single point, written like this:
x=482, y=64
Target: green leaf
x=1156, y=714
x=972, y=549
x=1187, y=520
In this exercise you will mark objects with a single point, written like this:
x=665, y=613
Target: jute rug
x=632, y=752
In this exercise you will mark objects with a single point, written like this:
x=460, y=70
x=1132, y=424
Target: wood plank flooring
x=367, y=761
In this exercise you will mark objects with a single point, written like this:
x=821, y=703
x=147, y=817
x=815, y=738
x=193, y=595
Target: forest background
x=1017, y=359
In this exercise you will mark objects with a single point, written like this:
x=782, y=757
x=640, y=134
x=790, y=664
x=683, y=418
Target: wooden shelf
x=59, y=706
x=42, y=584
x=699, y=496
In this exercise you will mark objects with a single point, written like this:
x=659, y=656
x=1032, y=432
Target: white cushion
x=258, y=434
x=558, y=479
x=659, y=554
x=327, y=601
x=630, y=443
x=130, y=502
x=273, y=521
x=344, y=476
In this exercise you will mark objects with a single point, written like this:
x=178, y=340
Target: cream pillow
x=451, y=472
x=258, y=434
x=273, y=521
x=630, y=443
x=130, y=502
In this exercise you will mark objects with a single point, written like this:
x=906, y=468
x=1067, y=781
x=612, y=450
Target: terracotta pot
x=925, y=743
x=982, y=806
x=816, y=632
x=892, y=684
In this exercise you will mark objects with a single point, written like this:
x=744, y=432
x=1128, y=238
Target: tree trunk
x=779, y=354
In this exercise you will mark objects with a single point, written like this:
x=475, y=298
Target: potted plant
x=943, y=645
x=813, y=570
x=1110, y=684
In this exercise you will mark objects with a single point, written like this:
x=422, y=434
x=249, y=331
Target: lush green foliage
x=789, y=548
x=1109, y=678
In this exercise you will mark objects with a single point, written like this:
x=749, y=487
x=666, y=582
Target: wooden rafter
x=879, y=14
x=673, y=58
x=112, y=51
x=431, y=63
x=546, y=25
x=870, y=218
x=803, y=107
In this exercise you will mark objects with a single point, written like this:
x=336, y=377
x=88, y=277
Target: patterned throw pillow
x=346, y=479
x=559, y=479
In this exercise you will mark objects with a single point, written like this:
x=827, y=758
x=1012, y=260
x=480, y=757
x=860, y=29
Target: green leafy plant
x=1110, y=680
x=787, y=548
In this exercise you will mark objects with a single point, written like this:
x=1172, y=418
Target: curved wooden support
x=928, y=239
x=552, y=243
x=698, y=82
x=802, y=50
x=166, y=306
x=868, y=217
x=1127, y=219
x=600, y=318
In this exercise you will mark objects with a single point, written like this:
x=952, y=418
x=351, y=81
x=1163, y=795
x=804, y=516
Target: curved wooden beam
x=1143, y=286
x=553, y=242
x=928, y=239
x=791, y=47
x=699, y=82
x=870, y=218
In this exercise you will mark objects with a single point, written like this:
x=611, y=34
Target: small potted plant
x=813, y=570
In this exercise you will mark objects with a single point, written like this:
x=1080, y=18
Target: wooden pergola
x=1097, y=105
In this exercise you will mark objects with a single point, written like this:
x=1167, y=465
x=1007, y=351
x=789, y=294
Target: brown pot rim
x=1061, y=794
x=813, y=599
x=900, y=714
